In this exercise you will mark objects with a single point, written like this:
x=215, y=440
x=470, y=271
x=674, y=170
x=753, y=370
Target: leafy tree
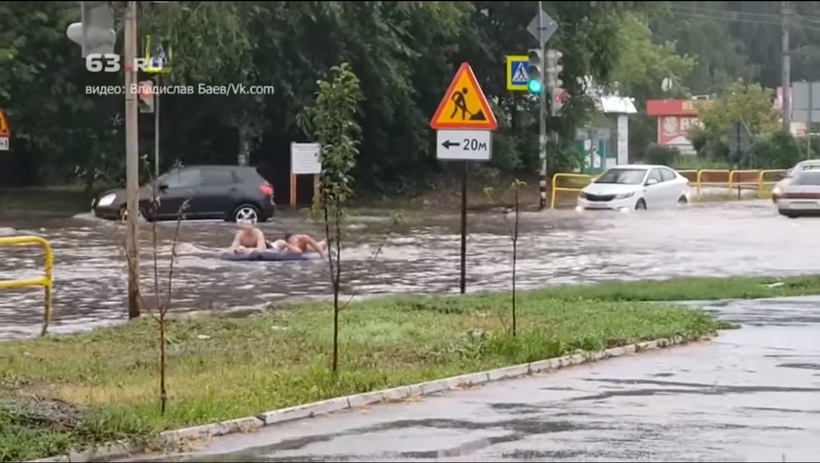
x=749, y=103
x=642, y=64
x=332, y=123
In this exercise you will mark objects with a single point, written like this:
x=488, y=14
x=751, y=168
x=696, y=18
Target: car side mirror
x=651, y=182
x=163, y=186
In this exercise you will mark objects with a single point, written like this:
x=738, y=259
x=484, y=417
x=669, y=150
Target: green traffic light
x=535, y=87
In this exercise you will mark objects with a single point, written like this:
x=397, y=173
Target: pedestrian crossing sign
x=517, y=73
x=464, y=105
x=157, y=56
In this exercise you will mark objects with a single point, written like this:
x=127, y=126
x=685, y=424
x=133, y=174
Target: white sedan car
x=801, y=197
x=635, y=187
x=777, y=191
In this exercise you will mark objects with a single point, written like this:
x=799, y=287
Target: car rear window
x=808, y=177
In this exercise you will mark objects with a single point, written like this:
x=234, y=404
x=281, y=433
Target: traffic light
x=535, y=73
x=554, y=82
x=96, y=31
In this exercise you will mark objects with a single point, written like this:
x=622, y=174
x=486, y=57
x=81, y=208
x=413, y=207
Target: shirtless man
x=248, y=237
x=304, y=243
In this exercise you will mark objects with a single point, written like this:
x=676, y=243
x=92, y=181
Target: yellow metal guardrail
x=580, y=180
x=765, y=182
x=738, y=179
x=46, y=281
x=761, y=180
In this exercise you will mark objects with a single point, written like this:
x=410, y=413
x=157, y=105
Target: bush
x=659, y=154
x=779, y=151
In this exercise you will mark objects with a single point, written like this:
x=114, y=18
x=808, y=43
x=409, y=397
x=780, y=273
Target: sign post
x=304, y=160
x=464, y=123
x=5, y=132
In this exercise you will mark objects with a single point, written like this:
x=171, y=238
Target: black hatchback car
x=213, y=192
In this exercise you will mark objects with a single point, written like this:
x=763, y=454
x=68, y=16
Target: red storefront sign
x=675, y=117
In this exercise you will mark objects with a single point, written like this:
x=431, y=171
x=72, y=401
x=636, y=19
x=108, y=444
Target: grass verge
x=687, y=289
x=72, y=391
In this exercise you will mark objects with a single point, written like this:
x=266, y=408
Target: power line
x=717, y=16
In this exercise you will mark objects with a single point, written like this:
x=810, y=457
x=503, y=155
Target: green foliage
x=332, y=122
x=404, y=53
x=662, y=155
x=749, y=103
x=642, y=64
x=777, y=151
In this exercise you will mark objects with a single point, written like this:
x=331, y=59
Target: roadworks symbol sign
x=4, y=125
x=464, y=105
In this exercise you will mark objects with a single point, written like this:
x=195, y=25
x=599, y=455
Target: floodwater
x=751, y=395
x=555, y=247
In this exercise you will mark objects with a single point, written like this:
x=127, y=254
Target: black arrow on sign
x=447, y=144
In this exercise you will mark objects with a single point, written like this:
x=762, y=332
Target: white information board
x=4, y=143
x=304, y=159
x=464, y=145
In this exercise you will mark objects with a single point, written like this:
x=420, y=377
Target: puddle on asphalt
x=558, y=247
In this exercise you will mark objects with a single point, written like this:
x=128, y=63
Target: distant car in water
x=228, y=193
x=777, y=191
x=635, y=187
x=801, y=196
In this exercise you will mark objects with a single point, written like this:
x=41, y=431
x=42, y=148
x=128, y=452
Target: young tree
x=331, y=121
x=513, y=229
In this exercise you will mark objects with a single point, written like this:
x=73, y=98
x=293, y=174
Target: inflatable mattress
x=268, y=255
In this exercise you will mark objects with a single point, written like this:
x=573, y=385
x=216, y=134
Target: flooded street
x=751, y=395
x=556, y=247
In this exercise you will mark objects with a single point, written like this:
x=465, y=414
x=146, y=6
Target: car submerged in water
x=228, y=193
x=801, y=196
x=635, y=187
x=777, y=191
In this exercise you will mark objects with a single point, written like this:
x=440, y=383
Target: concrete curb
x=122, y=449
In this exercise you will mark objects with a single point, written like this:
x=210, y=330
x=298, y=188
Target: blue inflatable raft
x=268, y=255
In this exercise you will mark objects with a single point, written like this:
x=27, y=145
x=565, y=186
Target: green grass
x=687, y=289
x=71, y=391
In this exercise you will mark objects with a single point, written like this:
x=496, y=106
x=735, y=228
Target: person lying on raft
x=248, y=237
x=303, y=243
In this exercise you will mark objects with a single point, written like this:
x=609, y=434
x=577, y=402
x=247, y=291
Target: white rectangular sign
x=4, y=143
x=304, y=159
x=464, y=145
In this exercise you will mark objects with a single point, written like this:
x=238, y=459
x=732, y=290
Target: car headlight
x=107, y=200
x=777, y=191
x=624, y=195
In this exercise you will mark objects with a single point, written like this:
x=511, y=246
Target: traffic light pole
x=132, y=159
x=542, y=124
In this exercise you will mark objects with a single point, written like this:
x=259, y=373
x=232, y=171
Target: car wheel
x=640, y=205
x=246, y=212
x=683, y=200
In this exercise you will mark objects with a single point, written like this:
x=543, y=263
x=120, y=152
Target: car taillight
x=266, y=189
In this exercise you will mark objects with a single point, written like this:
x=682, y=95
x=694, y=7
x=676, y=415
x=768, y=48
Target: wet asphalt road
x=751, y=395
x=556, y=247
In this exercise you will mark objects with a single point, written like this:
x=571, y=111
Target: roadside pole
x=542, y=119
x=132, y=159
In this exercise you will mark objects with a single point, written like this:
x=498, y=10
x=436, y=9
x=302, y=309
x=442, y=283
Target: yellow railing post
x=46, y=281
x=587, y=179
x=763, y=184
x=734, y=182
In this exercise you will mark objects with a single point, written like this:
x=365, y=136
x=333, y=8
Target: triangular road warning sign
x=520, y=75
x=4, y=125
x=464, y=106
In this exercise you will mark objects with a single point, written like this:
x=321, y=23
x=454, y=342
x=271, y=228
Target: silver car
x=801, y=197
x=780, y=186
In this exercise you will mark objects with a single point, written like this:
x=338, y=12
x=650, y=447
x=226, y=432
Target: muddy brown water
x=556, y=247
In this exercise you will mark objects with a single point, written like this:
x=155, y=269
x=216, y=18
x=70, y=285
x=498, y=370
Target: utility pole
x=132, y=159
x=542, y=120
x=786, y=70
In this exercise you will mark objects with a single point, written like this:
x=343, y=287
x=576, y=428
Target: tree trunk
x=244, y=155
